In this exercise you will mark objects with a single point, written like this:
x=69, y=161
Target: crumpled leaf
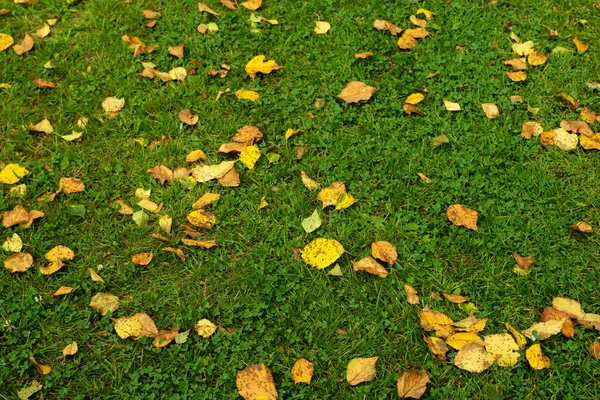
x=165, y=337
x=361, y=370
x=321, y=253
x=537, y=360
x=356, y=91
x=302, y=371
x=205, y=328
x=195, y=155
x=28, y=391
x=544, y=329
x=336, y=195
x=380, y=25
x=524, y=264
x=412, y=384
x=104, y=302
x=411, y=294
x=459, y=340
x=581, y=47
x=589, y=143
x=505, y=347
x=474, y=358
x=384, y=251
x=13, y=244
x=460, y=215
x=363, y=55
x=162, y=173
x=437, y=321
x=530, y=129
x=258, y=64
x=565, y=140
x=582, y=226
x=24, y=46
x=202, y=219
x=112, y=106
x=56, y=256
x=204, y=8
x=437, y=347
x=312, y=223
x=491, y=110
x=408, y=39
x=455, y=298
x=205, y=173
x=309, y=183
x=249, y=156
x=322, y=27
x=188, y=118
x=370, y=265
x=18, y=262
x=70, y=349
x=12, y=173
x=41, y=368
x=17, y=215
x=577, y=127
x=256, y=383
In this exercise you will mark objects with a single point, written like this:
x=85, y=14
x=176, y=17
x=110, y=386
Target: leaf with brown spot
x=474, y=358
x=71, y=185
x=537, y=360
x=412, y=384
x=582, y=227
x=165, y=337
x=142, y=258
x=517, y=76
x=460, y=215
x=24, y=46
x=162, y=173
x=361, y=370
x=368, y=264
x=202, y=219
x=536, y=58
x=505, y=347
x=302, y=371
x=588, y=116
x=256, y=383
x=384, y=251
x=356, y=91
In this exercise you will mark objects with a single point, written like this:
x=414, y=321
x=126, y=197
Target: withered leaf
x=256, y=382
x=368, y=264
x=356, y=91
x=460, y=215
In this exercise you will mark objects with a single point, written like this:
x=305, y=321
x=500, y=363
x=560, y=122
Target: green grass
x=279, y=308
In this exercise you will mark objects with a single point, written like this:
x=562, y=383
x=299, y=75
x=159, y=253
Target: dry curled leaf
x=582, y=227
x=581, y=47
x=43, y=126
x=256, y=383
x=363, y=55
x=531, y=129
x=24, y=46
x=207, y=244
x=595, y=349
x=41, y=368
x=18, y=262
x=229, y=4
x=42, y=84
x=571, y=307
x=412, y=384
x=524, y=264
x=370, y=265
x=178, y=252
x=302, y=371
x=165, y=337
x=460, y=215
x=361, y=370
x=177, y=51
x=380, y=25
x=355, y=92
x=455, y=298
x=517, y=64
x=411, y=295
x=437, y=347
x=308, y=182
x=204, y=8
x=17, y=215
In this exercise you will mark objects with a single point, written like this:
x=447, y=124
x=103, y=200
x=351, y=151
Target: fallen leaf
x=43, y=31
x=207, y=244
x=312, y=223
x=505, y=347
x=205, y=173
x=124, y=208
x=71, y=185
x=380, y=25
x=361, y=370
x=356, y=91
x=455, y=298
x=18, y=262
x=148, y=327
x=178, y=252
x=336, y=271
x=229, y=4
x=5, y=41
x=491, y=110
x=536, y=58
x=12, y=173
x=95, y=277
x=252, y=5
x=570, y=307
x=331, y=195
x=412, y=384
x=414, y=99
x=590, y=143
x=205, y=328
x=524, y=264
x=70, y=349
x=291, y=132
x=581, y=47
x=112, y=106
x=517, y=64
x=149, y=205
x=188, y=118
x=517, y=76
x=450, y=106
x=195, y=155
x=322, y=27
x=474, y=358
x=363, y=55
x=140, y=217
x=104, y=302
x=258, y=64
x=435, y=320
x=205, y=200
x=249, y=156
x=182, y=337
x=428, y=14
x=149, y=14
x=309, y=183
x=25, y=46
x=56, y=256
x=256, y=383
x=523, y=49
x=61, y=291
x=72, y=136
x=531, y=129
x=13, y=244
x=437, y=347
x=302, y=371
x=460, y=215
x=368, y=264
x=204, y=8
x=243, y=94
x=230, y=179
x=165, y=337
x=42, y=84
x=423, y=177
x=17, y=215
x=592, y=320
x=595, y=349
x=41, y=368
x=544, y=329
x=384, y=251
x=582, y=226
x=588, y=116
x=202, y=219
x=30, y=390
x=411, y=295
x=43, y=126
x=417, y=22
x=162, y=173
x=537, y=360
x=321, y=253
x=577, y=127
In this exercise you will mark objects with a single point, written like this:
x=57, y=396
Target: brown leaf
x=18, y=262
x=151, y=23
x=517, y=64
x=595, y=349
x=380, y=25
x=411, y=295
x=384, y=251
x=142, y=258
x=149, y=14
x=71, y=185
x=552, y=314
x=460, y=215
x=42, y=84
x=229, y=4
x=577, y=127
x=230, y=179
x=178, y=252
x=17, y=215
x=588, y=116
x=124, y=207
x=25, y=46
x=437, y=347
x=531, y=129
x=356, y=91
x=524, y=264
x=412, y=384
x=204, y=8
x=148, y=326
x=361, y=370
x=162, y=173
x=582, y=226
x=455, y=298
x=256, y=383
x=164, y=337
x=368, y=264
x=188, y=118
x=363, y=55
x=302, y=371
x=490, y=110
x=70, y=349
x=176, y=51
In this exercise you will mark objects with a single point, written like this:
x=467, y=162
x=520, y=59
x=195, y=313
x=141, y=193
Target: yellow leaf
x=406, y=42
x=384, y=251
x=247, y=95
x=71, y=185
x=361, y=370
x=165, y=223
x=418, y=22
x=312, y=223
x=195, y=155
x=205, y=173
x=178, y=252
x=24, y=46
x=435, y=320
x=302, y=371
x=104, y=302
x=112, y=106
x=345, y=200
x=411, y=295
x=592, y=320
x=368, y=264
x=523, y=49
x=42, y=368
x=517, y=76
x=204, y=8
x=565, y=140
x=505, y=347
x=70, y=349
x=321, y=253
x=72, y=136
x=124, y=208
x=142, y=258
x=149, y=205
x=450, y=106
x=12, y=173
x=536, y=58
x=474, y=358
x=491, y=110
x=263, y=203
x=43, y=31
x=5, y=85
x=13, y=244
x=428, y=14
x=256, y=383
x=412, y=384
x=437, y=347
x=249, y=156
x=291, y=132
x=455, y=298
x=537, y=360
x=188, y=118
x=329, y=196
x=309, y=183
x=520, y=339
x=5, y=41
x=205, y=328
x=581, y=47
x=63, y=290
x=568, y=306
x=127, y=327
x=471, y=324
x=460, y=215
x=206, y=199
x=95, y=277
x=414, y=98
x=59, y=253
x=18, y=262
x=202, y=219
x=582, y=226
x=545, y=329
x=461, y=339
x=207, y=244
x=356, y=91
x=258, y=64
x=363, y=55
x=322, y=27
x=252, y=4
x=517, y=64
x=590, y=143
x=164, y=337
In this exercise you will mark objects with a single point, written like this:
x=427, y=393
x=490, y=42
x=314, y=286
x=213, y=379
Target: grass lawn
x=273, y=307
